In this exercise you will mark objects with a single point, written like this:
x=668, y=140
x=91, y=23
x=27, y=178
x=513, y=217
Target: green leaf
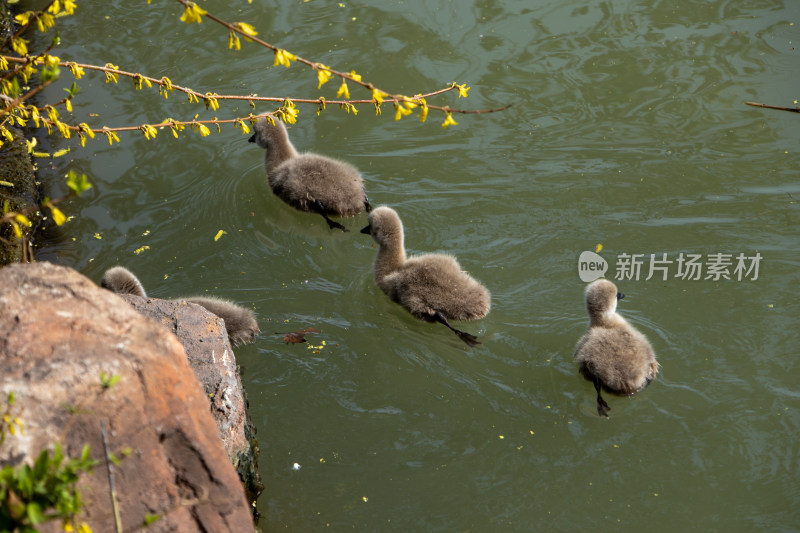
x=34, y=512
x=10, y=394
x=49, y=74
x=42, y=465
x=73, y=90
x=151, y=518
x=25, y=481
x=57, y=456
x=85, y=453
x=78, y=183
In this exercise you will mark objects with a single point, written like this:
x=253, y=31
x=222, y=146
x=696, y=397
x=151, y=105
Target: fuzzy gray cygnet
x=432, y=287
x=122, y=281
x=309, y=182
x=612, y=354
x=240, y=323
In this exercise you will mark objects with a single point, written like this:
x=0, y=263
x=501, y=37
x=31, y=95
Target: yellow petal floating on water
x=58, y=216
x=219, y=234
x=140, y=250
x=598, y=248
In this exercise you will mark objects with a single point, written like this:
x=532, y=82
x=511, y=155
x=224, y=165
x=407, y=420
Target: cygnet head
x=601, y=299
x=266, y=133
x=385, y=226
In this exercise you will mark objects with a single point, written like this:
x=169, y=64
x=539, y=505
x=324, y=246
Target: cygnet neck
x=605, y=316
x=391, y=255
x=279, y=147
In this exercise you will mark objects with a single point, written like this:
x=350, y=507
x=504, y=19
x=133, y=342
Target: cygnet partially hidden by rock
x=432, y=287
x=612, y=354
x=309, y=182
x=240, y=323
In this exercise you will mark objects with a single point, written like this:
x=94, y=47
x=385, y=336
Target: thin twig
x=767, y=106
x=344, y=75
x=111, y=484
x=254, y=98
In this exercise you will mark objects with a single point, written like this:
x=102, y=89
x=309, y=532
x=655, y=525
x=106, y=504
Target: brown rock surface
x=211, y=357
x=58, y=333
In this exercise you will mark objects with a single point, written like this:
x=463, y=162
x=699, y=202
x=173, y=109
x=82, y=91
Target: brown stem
x=792, y=109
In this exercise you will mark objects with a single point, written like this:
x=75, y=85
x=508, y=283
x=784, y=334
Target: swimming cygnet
x=240, y=323
x=613, y=354
x=432, y=287
x=309, y=182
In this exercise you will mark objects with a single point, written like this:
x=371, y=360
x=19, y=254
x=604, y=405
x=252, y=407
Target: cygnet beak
x=620, y=296
x=253, y=138
x=366, y=230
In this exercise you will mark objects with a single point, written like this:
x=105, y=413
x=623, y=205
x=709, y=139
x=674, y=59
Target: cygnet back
x=432, y=287
x=309, y=182
x=240, y=323
x=122, y=281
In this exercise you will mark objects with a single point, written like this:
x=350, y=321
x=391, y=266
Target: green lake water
x=628, y=129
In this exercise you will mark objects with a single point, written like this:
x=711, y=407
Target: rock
x=211, y=357
x=58, y=333
x=16, y=169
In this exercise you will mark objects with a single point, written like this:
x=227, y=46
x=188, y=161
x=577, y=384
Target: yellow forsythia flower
x=282, y=57
x=378, y=95
x=84, y=127
x=58, y=216
x=233, y=41
x=323, y=74
x=24, y=18
x=193, y=13
x=75, y=70
x=20, y=45
x=448, y=121
x=211, y=101
x=22, y=219
x=245, y=28
x=462, y=90
x=400, y=111
x=241, y=125
x=343, y=90
x=44, y=22
x=112, y=136
x=149, y=131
